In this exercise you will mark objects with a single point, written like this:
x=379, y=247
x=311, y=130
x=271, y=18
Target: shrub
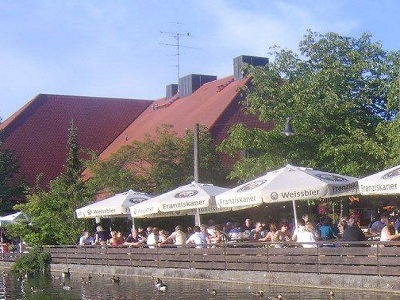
x=34, y=261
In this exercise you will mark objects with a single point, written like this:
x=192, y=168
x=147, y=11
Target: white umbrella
x=12, y=219
x=191, y=199
x=115, y=206
x=290, y=183
x=386, y=182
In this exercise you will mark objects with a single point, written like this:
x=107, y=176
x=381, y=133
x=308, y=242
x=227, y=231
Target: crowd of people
x=306, y=234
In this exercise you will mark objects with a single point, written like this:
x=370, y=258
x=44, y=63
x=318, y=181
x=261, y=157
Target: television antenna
x=177, y=36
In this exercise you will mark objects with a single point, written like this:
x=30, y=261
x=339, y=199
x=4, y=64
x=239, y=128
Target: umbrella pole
x=294, y=212
x=341, y=209
x=2, y=241
x=197, y=217
x=196, y=167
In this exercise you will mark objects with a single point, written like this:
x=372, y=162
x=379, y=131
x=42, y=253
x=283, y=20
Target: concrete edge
x=388, y=284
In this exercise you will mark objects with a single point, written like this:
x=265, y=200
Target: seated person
x=234, y=232
x=352, y=232
x=257, y=233
x=189, y=231
x=134, y=239
x=153, y=239
x=326, y=230
x=269, y=237
x=388, y=232
x=178, y=237
x=218, y=237
x=197, y=239
x=85, y=239
x=305, y=234
x=101, y=236
x=283, y=234
x=310, y=225
x=204, y=231
x=342, y=225
x=164, y=237
x=115, y=239
x=377, y=226
x=397, y=224
x=120, y=236
x=141, y=232
x=248, y=226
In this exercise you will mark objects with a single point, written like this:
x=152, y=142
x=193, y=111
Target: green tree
x=210, y=167
x=341, y=93
x=73, y=167
x=52, y=212
x=11, y=189
x=156, y=164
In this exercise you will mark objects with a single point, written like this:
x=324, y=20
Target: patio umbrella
x=115, y=206
x=385, y=182
x=12, y=219
x=191, y=199
x=290, y=183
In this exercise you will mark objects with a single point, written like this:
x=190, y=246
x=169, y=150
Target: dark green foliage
x=156, y=164
x=11, y=189
x=73, y=166
x=33, y=262
x=52, y=212
x=341, y=94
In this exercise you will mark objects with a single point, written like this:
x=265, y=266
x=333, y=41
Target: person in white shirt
x=85, y=239
x=305, y=234
x=153, y=239
x=388, y=232
x=197, y=238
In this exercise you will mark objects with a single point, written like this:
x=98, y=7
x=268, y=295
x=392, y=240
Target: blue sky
x=116, y=48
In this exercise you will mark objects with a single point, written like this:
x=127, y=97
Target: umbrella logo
x=393, y=173
x=331, y=177
x=274, y=196
x=251, y=185
x=186, y=194
x=137, y=200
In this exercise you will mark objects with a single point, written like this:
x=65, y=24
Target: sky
x=127, y=48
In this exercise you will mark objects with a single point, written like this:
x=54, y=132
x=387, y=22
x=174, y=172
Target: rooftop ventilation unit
x=246, y=59
x=171, y=90
x=190, y=83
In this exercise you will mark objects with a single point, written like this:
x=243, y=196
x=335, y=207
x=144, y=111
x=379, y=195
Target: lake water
x=143, y=288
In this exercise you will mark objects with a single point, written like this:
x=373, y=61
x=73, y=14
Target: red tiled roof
x=215, y=105
x=38, y=132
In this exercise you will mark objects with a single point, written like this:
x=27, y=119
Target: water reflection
x=103, y=287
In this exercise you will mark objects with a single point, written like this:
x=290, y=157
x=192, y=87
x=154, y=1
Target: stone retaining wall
x=354, y=282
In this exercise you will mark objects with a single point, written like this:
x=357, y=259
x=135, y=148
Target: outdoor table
x=372, y=236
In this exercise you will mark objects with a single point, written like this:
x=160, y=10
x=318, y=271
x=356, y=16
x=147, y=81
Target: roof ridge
x=52, y=96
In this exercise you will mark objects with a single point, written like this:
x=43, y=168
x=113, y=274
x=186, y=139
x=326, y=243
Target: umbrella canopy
x=13, y=218
x=290, y=183
x=386, y=182
x=115, y=206
x=188, y=199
